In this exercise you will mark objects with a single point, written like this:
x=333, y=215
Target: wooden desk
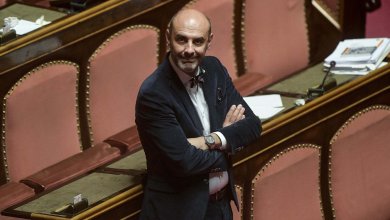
x=119, y=196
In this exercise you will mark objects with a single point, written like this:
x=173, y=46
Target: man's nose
x=189, y=50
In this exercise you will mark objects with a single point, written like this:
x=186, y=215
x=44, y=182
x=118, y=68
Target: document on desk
x=265, y=106
x=25, y=26
x=355, y=72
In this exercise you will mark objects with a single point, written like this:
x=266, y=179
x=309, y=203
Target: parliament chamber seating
x=359, y=174
x=86, y=120
x=40, y=121
x=41, y=134
x=116, y=70
x=275, y=38
x=287, y=187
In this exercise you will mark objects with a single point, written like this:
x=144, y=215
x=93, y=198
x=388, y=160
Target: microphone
x=326, y=84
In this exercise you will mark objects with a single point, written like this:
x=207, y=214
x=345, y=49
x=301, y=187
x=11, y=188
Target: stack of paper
x=359, y=54
x=265, y=106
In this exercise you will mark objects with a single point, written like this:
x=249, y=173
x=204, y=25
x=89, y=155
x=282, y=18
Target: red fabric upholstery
x=117, y=69
x=12, y=193
x=220, y=14
x=72, y=167
x=360, y=180
x=275, y=37
x=288, y=187
x=40, y=126
x=357, y=123
x=237, y=215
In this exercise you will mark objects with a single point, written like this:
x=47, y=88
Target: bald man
x=190, y=119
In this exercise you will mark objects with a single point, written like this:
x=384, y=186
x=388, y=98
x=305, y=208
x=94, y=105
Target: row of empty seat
x=288, y=186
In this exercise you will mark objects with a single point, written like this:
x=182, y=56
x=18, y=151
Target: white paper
x=24, y=27
x=266, y=112
x=273, y=100
x=265, y=106
x=381, y=45
x=355, y=72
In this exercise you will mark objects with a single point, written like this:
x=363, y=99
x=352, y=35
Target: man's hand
x=198, y=143
x=234, y=114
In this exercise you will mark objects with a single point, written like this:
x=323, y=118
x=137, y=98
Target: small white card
x=77, y=199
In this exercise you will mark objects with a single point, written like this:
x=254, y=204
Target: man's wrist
x=212, y=141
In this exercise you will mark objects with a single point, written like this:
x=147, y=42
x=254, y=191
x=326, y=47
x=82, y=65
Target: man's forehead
x=190, y=32
x=191, y=20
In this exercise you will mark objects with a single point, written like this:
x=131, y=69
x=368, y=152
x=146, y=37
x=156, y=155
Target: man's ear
x=209, y=40
x=167, y=35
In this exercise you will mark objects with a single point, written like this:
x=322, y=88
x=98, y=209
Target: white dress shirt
x=217, y=180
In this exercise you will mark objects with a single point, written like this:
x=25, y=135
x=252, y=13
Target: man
x=190, y=118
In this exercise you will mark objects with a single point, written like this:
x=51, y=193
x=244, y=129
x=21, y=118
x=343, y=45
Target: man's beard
x=189, y=68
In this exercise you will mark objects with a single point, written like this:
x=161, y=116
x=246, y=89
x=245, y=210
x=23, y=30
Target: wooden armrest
x=249, y=83
x=72, y=167
x=126, y=140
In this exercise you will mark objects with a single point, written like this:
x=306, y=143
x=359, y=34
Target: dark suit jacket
x=178, y=173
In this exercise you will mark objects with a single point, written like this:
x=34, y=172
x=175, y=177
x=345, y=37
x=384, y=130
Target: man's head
x=189, y=36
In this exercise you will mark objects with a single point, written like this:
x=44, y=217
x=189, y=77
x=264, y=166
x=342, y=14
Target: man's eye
x=181, y=39
x=198, y=42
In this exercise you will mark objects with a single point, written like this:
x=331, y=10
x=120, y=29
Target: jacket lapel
x=209, y=91
x=180, y=93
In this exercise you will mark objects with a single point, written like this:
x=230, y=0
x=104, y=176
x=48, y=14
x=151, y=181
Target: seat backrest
x=40, y=124
x=237, y=214
x=275, y=37
x=221, y=15
x=359, y=162
x=287, y=187
x=116, y=70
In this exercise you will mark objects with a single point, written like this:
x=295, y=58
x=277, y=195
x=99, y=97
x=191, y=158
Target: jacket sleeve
x=245, y=131
x=165, y=141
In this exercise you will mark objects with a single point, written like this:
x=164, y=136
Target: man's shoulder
x=211, y=60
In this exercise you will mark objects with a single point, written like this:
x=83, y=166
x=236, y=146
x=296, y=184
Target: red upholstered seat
x=360, y=180
x=237, y=213
x=41, y=119
x=41, y=136
x=288, y=186
x=275, y=38
x=12, y=193
x=116, y=70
